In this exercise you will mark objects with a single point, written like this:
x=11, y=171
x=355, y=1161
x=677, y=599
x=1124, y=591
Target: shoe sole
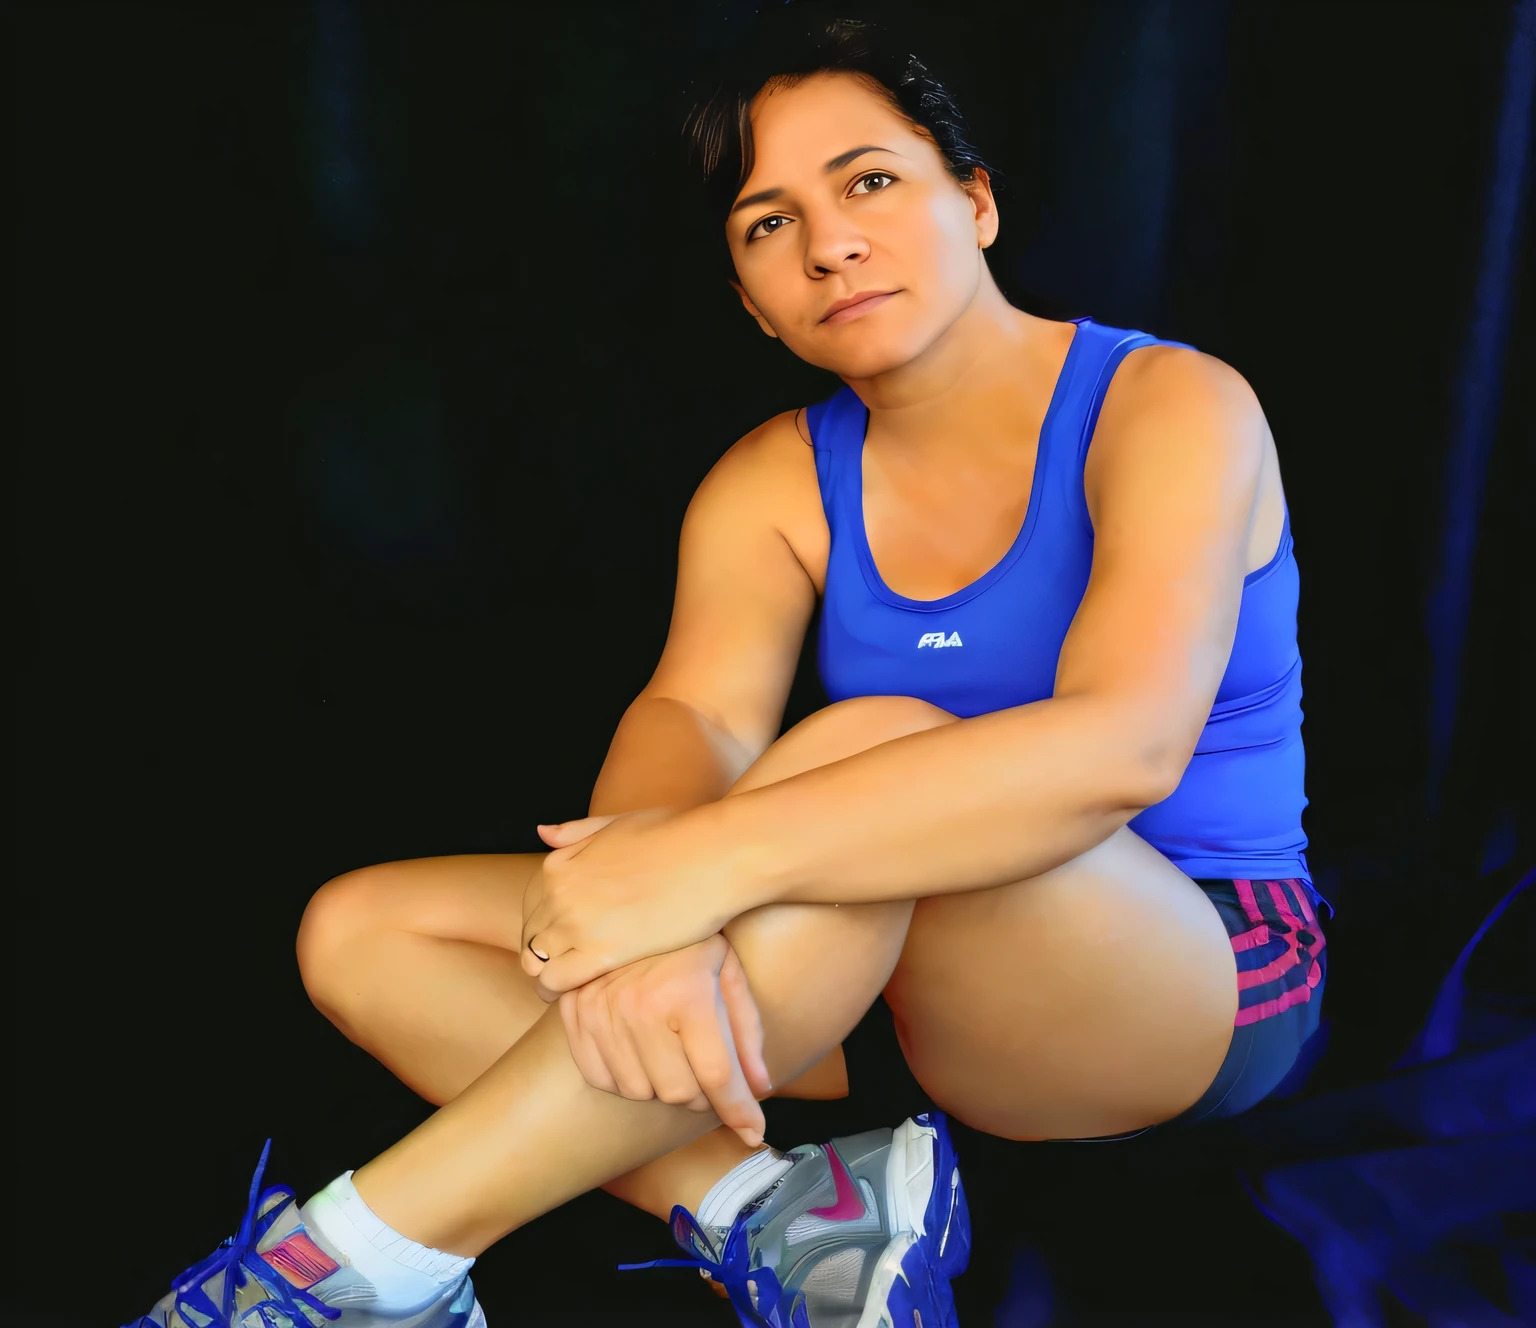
x=458, y=1316
x=926, y=1200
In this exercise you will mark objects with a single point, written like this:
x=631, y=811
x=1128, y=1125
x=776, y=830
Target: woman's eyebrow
x=836, y=164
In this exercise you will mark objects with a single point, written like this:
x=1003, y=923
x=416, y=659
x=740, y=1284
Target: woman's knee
x=341, y=910
x=838, y=731
x=866, y=721
x=814, y=970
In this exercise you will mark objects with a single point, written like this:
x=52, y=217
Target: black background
x=367, y=357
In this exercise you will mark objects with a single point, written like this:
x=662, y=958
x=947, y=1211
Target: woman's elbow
x=1156, y=767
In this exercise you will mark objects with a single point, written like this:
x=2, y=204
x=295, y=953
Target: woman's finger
x=614, y=1043
x=532, y=955
x=583, y=1050
x=565, y=833
x=566, y=971
x=706, y=1037
x=540, y=918
x=666, y=1064
x=541, y=943
x=746, y=1024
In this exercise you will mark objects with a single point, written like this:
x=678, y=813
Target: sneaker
x=863, y=1232
x=272, y=1274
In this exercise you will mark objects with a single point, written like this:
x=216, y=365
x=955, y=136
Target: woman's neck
x=982, y=388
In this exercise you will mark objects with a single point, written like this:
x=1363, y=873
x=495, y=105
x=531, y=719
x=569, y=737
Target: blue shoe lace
x=730, y=1266
x=238, y=1260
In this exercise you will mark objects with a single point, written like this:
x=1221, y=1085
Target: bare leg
x=417, y=962
x=685, y=1176
x=385, y=956
x=528, y=1133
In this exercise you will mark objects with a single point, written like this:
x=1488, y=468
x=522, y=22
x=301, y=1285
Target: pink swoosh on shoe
x=849, y=1205
x=300, y=1260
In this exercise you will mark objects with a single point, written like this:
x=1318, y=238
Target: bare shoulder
x=745, y=590
x=780, y=445
x=1174, y=405
x=1176, y=380
x=774, y=447
x=768, y=477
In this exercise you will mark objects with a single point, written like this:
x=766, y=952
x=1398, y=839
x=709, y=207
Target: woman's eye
x=752, y=234
x=874, y=175
x=761, y=228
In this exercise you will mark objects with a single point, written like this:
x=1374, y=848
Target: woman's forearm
x=666, y=754
x=967, y=806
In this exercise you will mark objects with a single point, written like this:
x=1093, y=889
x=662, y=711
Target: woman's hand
x=617, y=889
x=682, y=1027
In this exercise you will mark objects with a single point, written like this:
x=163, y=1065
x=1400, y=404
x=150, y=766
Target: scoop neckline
x=872, y=577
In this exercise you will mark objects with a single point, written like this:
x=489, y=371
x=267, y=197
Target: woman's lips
x=859, y=309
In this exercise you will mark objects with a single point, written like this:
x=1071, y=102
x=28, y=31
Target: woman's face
x=846, y=197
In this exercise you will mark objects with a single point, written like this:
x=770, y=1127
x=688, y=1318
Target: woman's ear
x=753, y=309
x=979, y=190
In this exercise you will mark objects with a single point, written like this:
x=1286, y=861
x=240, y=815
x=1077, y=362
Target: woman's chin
x=874, y=358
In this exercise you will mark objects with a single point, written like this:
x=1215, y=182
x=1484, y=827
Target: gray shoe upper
x=344, y=1288
x=829, y=1256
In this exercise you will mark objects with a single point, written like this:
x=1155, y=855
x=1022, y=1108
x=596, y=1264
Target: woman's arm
x=966, y=806
x=739, y=616
x=666, y=753
x=681, y=1025
x=1171, y=484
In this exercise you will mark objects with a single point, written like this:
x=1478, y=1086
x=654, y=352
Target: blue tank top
x=994, y=644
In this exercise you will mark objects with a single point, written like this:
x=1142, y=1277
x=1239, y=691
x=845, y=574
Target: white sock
x=408, y=1276
x=739, y=1186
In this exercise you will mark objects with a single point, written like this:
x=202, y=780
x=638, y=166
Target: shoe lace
x=238, y=1260
x=755, y=1293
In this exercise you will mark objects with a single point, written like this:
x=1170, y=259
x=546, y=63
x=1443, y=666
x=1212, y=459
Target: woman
x=1053, y=813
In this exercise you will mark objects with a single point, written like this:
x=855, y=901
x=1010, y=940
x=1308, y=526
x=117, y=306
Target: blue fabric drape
x=1478, y=391
x=1415, y=1186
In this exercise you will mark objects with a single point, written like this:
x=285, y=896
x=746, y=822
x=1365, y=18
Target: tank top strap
x=1097, y=351
x=1103, y=353
x=837, y=426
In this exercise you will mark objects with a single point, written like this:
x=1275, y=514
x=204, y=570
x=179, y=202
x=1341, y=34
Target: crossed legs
x=1093, y=999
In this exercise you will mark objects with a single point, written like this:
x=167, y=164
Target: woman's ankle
x=684, y=1176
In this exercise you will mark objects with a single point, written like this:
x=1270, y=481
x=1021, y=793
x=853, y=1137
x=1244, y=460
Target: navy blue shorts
x=1282, y=966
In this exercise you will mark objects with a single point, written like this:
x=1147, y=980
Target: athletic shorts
x=1282, y=966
